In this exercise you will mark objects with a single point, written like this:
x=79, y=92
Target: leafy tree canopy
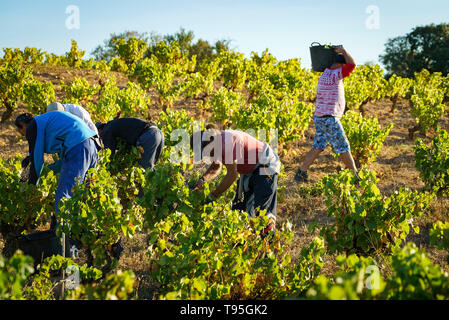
x=107, y=50
x=185, y=39
x=425, y=47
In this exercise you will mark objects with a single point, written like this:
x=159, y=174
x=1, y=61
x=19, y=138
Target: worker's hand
x=340, y=50
x=199, y=185
x=26, y=162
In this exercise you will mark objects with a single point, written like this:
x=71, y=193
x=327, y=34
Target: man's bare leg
x=348, y=160
x=310, y=158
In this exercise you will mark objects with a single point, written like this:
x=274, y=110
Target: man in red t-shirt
x=330, y=106
x=242, y=154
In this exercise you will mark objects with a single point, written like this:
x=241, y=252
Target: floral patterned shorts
x=330, y=130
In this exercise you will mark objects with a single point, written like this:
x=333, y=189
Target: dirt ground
x=395, y=166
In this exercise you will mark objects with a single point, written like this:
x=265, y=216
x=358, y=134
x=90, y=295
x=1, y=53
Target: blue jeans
x=262, y=195
x=75, y=164
x=152, y=141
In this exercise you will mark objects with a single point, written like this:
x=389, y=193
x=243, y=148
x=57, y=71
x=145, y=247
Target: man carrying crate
x=330, y=106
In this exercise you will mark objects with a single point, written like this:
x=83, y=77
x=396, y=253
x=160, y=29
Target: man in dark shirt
x=135, y=132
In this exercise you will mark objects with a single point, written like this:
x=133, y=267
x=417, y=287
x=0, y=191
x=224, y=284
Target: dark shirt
x=31, y=134
x=126, y=129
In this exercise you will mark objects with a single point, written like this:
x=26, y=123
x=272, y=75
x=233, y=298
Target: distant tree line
x=425, y=47
x=185, y=39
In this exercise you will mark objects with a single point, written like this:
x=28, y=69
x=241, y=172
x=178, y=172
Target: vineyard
x=387, y=239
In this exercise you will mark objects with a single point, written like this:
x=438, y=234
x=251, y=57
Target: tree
x=107, y=51
x=118, y=44
x=130, y=50
x=425, y=47
x=182, y=37
x=203, y=50
x=222, y=45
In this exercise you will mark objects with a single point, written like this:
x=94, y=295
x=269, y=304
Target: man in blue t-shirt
x=63, y=133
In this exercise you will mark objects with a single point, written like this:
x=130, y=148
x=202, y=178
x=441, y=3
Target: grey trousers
x=152, y=141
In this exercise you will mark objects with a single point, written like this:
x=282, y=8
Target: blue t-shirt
x=53, y=132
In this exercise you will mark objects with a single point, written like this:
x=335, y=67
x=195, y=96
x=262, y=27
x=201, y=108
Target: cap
x=55, y=106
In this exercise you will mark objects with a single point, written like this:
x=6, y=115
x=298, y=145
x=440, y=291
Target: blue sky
x=285, y=27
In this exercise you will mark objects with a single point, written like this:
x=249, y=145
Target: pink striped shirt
x=330, y=98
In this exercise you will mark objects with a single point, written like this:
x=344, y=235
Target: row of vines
x=204, y=250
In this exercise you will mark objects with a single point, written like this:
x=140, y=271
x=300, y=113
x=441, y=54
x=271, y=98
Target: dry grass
x=395, y=166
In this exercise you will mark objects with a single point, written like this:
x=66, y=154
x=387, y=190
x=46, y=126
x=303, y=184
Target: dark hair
x=23, y=118
x=339, y=58
x=212, y=126
x=100, y=125
x=209, y=128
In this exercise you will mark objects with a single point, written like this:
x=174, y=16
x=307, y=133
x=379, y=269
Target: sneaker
x=301, y=176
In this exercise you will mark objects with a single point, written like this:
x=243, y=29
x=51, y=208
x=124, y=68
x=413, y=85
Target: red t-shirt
x=241, y=147
x=347, y=69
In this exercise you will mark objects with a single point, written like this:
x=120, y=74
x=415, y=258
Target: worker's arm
x=228, y=180
x=56, y=167
x=211, y=173
x=108, y=139
x=348, y=58
x=31, y=136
